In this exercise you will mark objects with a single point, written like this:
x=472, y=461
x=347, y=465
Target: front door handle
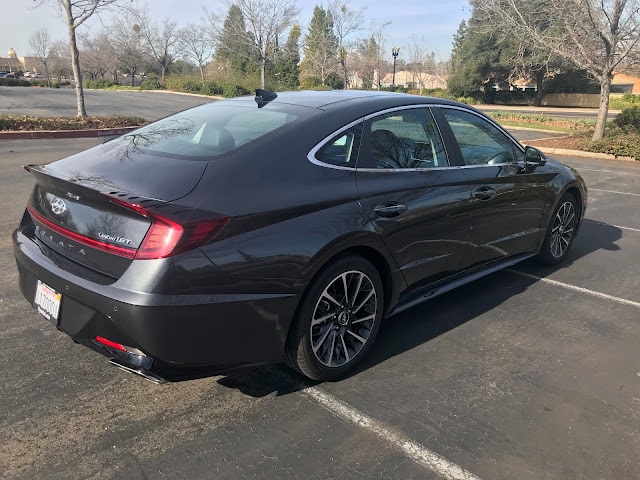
x=390, y=210
x=484, y=193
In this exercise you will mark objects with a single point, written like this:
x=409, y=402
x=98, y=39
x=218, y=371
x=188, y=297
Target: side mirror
x=533, y=157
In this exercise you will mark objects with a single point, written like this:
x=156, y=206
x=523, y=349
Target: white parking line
x=416, y=452
x=619, y=172
x=593, y=293
x=609, y=225
x=613, y=191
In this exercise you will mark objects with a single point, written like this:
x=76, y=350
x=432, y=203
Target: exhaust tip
x=138, y=371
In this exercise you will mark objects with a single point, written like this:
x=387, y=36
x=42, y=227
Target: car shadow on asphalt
x=422, y=323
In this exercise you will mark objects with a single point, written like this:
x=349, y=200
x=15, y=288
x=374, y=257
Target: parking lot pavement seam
x=413, y=450
x=593, y=293
x=614, y=191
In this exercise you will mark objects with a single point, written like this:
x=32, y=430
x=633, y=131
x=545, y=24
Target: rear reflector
x=111, y=344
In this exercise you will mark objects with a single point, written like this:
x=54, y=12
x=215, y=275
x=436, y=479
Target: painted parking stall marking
x=593, y=293
x=616, y=226
x=613, y=191
x=413, y=450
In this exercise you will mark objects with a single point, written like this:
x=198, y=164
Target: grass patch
x=543, y=122
x=26, y=123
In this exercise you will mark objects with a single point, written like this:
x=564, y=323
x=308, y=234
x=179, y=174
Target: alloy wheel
x=343, y=318
x=563, y=229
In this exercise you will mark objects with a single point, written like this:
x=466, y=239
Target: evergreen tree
x=235, y=45
x=320, y=48
x=284, y=70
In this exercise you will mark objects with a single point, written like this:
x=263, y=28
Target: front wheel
x=338, y=319
x=561, y=231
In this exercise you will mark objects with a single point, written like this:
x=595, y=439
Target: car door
x=508, y=199
x=418, y=201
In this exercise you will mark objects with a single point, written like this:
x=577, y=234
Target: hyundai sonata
x=282, y=227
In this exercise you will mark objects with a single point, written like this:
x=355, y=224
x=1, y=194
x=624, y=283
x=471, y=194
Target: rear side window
x=213, y=129
x=406, y=138
x=342, y=150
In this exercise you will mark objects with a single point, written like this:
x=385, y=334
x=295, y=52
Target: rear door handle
x=390, y=210
x=484, y=193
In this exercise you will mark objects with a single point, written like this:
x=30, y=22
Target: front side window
x=342, y=150
x=480, y=142
x=406, y=138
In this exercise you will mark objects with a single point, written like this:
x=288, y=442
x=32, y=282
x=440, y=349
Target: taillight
x=166, y=237
x=161, y=239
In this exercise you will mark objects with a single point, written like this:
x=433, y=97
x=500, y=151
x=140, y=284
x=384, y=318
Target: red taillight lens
x=161, y=239
x=111, y=344
x=166, y=237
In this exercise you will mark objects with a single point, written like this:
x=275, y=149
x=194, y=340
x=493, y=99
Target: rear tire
x=561, y=231
x=338, y=319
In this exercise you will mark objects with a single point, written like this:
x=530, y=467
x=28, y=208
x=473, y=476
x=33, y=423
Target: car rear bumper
x=178, y=335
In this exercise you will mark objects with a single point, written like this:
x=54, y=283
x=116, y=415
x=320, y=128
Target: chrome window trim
x=311, y=156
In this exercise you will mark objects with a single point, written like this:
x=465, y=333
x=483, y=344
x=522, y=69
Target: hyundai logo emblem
x=58, y=206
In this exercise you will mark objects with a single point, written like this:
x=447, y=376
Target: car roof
x=325, y=100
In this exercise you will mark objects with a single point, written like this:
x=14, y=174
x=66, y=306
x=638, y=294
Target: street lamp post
x=394, y=51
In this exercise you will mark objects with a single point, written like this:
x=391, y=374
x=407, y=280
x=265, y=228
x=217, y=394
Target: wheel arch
x=371, y=249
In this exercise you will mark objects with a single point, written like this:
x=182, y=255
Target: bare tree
x=594, y=35
x=76, y=12
x=196, y=45
x=346, y=21
x=267, y=23
x=40, y=43
x=160, y=39
x=98, y=57
x=60, y=60
x=421, y=62
x=128, y=47
x=380, y=37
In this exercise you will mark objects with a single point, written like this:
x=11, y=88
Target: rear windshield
x=213, y=129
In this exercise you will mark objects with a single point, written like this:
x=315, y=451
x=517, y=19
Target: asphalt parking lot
x=529, y=373
x=60, y=102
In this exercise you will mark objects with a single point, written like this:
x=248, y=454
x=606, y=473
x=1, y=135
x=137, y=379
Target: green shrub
x=98, y=84
x=627, y=100
x=183, y=83
x=211, y=88
x=14, y=82
x=629, y=119
x=151, y=84
x=621, y=145
x=40, y=83
x=234, y=90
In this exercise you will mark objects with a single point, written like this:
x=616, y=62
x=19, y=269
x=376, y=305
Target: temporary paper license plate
x=47, y=302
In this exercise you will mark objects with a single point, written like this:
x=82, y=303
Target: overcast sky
x=435, y=20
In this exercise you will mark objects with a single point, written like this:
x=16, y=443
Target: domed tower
x=12, y=53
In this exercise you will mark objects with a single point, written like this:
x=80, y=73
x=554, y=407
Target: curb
x=39, y=134
x=581, y=153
